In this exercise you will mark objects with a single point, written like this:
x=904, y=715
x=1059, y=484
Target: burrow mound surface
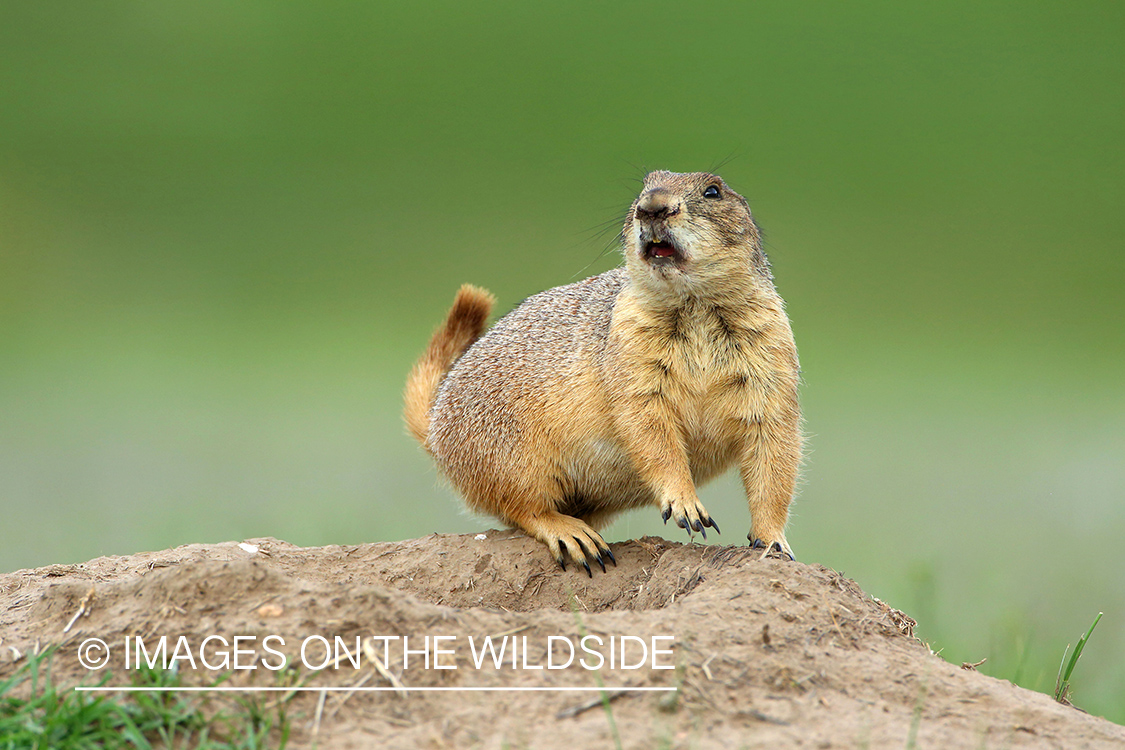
x=764, y=653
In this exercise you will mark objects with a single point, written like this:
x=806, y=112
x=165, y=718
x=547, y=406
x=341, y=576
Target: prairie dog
x=627, y=389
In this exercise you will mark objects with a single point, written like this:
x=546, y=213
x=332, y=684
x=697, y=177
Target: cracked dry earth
x=763, y=653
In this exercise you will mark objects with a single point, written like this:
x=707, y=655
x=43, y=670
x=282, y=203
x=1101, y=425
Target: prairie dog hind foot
x=568, y=537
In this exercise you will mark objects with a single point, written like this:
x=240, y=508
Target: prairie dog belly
x=602, y=477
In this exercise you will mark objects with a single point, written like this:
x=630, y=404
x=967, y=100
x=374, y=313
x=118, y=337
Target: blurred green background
x=227, y=229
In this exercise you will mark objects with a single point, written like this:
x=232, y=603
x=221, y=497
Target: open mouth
x=661, y=252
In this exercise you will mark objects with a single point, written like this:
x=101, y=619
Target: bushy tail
x=464, y=325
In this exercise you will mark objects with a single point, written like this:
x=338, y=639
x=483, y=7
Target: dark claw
x=683, y=524
x=563, y=552
x=713, y=525
x=777, y=548
x=667, y=514
x=698, y=526
x=589, y=572
x=609, y=554
x=597, y=552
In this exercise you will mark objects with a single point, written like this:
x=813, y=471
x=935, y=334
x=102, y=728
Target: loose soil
x=767, y=654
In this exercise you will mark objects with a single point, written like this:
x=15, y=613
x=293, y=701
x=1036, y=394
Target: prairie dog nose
x=657, y=203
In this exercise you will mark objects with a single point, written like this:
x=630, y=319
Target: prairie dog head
x=691, y=235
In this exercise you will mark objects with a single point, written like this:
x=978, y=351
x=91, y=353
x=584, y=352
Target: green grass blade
x=1078, y=649
x=1062, y=683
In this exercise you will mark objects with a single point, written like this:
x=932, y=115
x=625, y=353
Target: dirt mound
x=763, y=653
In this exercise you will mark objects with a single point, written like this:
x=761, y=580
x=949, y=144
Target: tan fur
x=629, y=388
x=463, y=325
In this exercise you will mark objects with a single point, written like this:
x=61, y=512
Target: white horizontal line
x=332, y=689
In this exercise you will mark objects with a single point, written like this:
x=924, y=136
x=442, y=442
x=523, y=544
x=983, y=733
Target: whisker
x=722, y=163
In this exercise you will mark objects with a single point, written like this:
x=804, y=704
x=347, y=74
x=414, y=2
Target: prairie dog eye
x=712, y=191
